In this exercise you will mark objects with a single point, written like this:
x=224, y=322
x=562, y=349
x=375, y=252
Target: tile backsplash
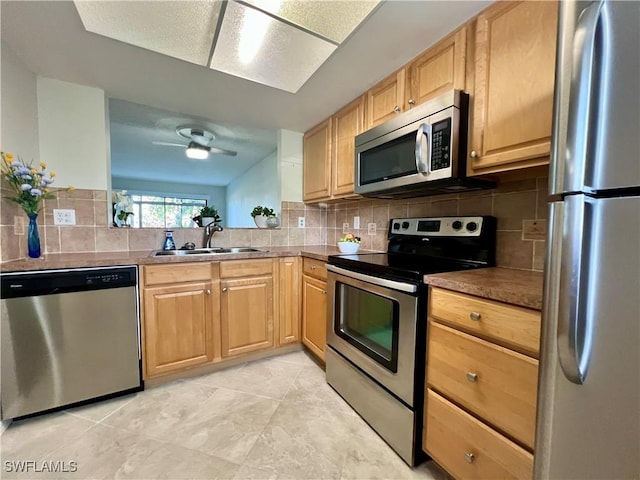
x=520, y=207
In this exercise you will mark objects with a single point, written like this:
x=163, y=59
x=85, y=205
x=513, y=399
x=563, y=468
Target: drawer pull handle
x=472, y=377
x=475, y=316
x=469, y=457
x=313, y=267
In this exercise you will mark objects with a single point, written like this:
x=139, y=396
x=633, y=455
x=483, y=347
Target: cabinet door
x=347, y=123
x=385, y=100
x=246, y=320
x=514, y=78
x=288, y=300
x=438, y=70
x=314, y=315
x=177, y=327
x=317, y=162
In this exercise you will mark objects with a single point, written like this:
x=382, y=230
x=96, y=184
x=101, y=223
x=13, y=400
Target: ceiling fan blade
x=222, y=151
x=169, y=144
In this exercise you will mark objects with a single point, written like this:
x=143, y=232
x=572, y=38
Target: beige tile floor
x=268, y=419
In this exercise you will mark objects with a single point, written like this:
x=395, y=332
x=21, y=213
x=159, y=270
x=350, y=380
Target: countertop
x=517, y=287
x=106, y=259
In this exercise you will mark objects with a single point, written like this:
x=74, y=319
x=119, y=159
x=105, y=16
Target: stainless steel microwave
x=420, y=152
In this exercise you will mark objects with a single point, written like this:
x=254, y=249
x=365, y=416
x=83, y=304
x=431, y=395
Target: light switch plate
x=300, y=222
x=64, y=216
x=356, y=223
x=345, y=227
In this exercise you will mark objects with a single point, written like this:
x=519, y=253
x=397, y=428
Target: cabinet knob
x=411, y=101
x=313, y=267
x=469, y=457
x=472, y=377
x=473, y=154
x=475, y=316
x=207, y=291
x=396, y=109
x=324, y=292
x=225, y=289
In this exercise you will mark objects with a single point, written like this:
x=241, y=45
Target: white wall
x=260, y=185
x=19, y=127
x=217, y=195
x=290, y=165
x=72, y=122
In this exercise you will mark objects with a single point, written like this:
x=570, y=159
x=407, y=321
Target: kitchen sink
x=204, y=251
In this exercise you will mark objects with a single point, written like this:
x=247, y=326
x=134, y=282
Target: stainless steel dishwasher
x=68, y=336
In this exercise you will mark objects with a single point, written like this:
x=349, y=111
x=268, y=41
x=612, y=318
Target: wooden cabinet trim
x=246, y=268
x=176, y=273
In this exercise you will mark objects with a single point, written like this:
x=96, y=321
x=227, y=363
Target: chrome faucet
x=209, y=230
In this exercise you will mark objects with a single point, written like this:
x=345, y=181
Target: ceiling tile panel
x=182, y=29
x=334, y=20
x=255, y=46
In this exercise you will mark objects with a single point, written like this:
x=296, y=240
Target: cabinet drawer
x=246, y=268
x=177, y=273
x=493, y=382
x=467, y=448
x=513, y=326
x=315, y=268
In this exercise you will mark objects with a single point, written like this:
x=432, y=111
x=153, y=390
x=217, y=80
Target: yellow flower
x=43, y=165
x=52, y=174
x=71, y=187
x=46, y=190
x=8, y=157
x=34, y=171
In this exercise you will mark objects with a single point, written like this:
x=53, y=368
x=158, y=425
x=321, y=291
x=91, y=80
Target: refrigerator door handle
x=575, y=330
x=582, y=99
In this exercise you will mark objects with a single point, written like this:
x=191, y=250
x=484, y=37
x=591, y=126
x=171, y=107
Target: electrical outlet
x=300, y=222
x=356, y=223
x=371, y=228
x=18, y=225
x=345, y=227
x=64, y=217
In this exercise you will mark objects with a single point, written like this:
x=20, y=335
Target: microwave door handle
x=424, y=133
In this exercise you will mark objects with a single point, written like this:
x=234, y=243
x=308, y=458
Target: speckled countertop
x=518, y=287
x=104, y=259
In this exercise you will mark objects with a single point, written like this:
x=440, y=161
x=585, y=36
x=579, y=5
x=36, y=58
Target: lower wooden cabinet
x=246, y=315
x=467, y=448
x=288, y=300
x=314, y=315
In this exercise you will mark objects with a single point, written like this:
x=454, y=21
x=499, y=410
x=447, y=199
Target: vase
x=33, y=237
x=261, y=221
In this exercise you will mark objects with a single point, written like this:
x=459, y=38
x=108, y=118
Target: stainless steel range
x=376, y=333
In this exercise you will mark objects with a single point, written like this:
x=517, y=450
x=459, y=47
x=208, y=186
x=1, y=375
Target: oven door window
x=369, y=322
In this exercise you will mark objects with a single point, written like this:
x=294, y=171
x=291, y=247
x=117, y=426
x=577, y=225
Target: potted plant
x=207, y=216
x=260, y=215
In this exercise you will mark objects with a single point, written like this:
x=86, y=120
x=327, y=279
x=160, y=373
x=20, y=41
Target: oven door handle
x=382, y=282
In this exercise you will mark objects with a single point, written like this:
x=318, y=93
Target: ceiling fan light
x=197, y=152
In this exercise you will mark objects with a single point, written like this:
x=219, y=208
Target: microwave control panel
x=441, y=144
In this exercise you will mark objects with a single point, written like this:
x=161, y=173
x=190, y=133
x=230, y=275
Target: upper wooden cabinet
x=386, y=99
x=437, y=70
x=347, y=123
x=317, y=164
x=512, y=101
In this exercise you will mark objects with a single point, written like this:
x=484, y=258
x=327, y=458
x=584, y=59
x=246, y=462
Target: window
x=165, y=212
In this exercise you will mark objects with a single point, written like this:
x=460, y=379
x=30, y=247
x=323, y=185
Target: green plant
x=266, y=211
x=208, y=212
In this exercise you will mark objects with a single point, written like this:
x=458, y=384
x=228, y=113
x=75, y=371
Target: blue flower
x=25, y=186
x=47, y=181
x=35, y=192
x=26, y=177
x=22, y=170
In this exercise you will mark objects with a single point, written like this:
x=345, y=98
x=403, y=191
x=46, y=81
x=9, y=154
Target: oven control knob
x=396, y=226
x=405, y=225
x=472, y=226
x=457, y=225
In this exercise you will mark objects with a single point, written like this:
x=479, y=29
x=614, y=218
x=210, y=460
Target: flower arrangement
x=31, y=185
x=122, y=206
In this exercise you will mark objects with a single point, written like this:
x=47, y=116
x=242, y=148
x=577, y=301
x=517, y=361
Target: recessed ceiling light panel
x=334, y=19
x=179, y=29
x=255, y=46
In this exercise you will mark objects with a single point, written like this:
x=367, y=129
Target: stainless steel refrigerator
x=589, y=391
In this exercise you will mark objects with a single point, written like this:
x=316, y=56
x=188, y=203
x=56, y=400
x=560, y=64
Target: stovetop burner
x=420, y=246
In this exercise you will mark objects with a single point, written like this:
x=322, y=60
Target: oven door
x=372, y=323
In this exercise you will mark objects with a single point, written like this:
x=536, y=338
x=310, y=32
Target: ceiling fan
x=199, y=145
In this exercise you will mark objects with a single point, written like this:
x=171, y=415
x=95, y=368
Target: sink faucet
x=209, y=230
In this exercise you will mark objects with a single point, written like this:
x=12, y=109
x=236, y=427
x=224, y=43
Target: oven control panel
x=437, y=226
